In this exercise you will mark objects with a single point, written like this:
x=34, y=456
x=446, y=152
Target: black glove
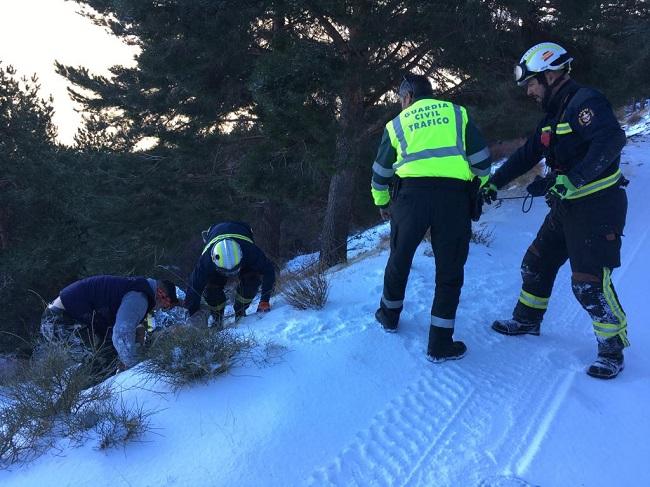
x=540, y=186
x=488, y=193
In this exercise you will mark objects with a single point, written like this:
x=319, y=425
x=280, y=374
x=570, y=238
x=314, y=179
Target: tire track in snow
x=401, y=436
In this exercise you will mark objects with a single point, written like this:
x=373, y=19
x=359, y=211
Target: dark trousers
x=588, y=233
x=442, y=206
x=83, y=342
x=247, y=287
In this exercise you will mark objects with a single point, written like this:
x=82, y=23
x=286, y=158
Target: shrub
x=119, y=423
x=183, y=355
x=307, y=289
x=482, y=235
x=53, y=396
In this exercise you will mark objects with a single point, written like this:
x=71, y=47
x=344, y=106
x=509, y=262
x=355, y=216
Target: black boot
x=442, y=346
x=514, y=327
x=609, y=362
x=388, y=323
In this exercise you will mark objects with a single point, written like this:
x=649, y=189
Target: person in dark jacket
x=229, y=251
x=102, y=312
x=581, y=141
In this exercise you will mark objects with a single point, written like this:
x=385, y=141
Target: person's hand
x=263, y=307
x=488, y=192
x=540, y=186
x=385, y=213
x=562, y=189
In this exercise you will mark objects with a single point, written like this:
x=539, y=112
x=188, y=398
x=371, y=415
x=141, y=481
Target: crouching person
x=229, y=252
x=98, y=316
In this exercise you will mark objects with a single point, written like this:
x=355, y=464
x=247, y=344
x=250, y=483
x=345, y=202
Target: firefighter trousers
x=587, y=232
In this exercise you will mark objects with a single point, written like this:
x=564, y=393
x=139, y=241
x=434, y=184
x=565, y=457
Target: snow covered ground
x=352, y=405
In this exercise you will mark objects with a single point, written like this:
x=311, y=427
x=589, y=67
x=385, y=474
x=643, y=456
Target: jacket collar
x=558, y=101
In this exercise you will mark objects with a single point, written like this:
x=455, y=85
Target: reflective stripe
x=392, y=304
x=563, y=128
x=384, y=172
x=533, y=301
x=608, y=330
x=378, y=187
x=442, y=322
x=242, y=299
x=216, y=307
x=595, y=186
x=479, y=156
x=150, y=321
x=224, y=236
x=547, y=129
x=460, y=133
x=399, y=133
x=427, y=154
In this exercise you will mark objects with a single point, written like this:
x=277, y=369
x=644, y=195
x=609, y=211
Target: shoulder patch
x=586, y=116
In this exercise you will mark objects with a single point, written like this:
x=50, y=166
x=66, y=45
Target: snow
x=351, y=405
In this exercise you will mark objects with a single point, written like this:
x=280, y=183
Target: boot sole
x=604, y=377
x=435, y=360
x=514, y=333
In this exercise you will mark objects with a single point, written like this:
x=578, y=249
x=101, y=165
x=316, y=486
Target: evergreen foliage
x=268, y=112
x=37, y=224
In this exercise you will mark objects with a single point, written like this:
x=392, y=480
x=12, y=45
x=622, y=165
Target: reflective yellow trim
x=149, y=322
x=216, y=307
x=380, y=197
x=594, y=186
x=224, y=236
x=563, y=129
x=242, y=299
x=533, y=301
x=615, y=306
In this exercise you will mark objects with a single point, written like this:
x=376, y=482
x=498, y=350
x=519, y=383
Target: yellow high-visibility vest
x=429, y=138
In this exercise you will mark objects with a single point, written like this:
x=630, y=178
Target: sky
x=35, y=33
x=351, y=405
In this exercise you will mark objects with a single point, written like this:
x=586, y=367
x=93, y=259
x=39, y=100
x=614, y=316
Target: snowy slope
x=352, y=405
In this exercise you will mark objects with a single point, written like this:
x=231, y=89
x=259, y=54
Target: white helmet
x=226, y=255
x=546, y=56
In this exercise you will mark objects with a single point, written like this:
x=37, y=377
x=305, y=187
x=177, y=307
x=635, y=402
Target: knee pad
x=530, y=265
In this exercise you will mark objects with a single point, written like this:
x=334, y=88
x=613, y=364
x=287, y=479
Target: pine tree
x=35, y=225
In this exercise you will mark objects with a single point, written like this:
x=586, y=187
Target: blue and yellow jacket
x=579, y=137
x=253, y=260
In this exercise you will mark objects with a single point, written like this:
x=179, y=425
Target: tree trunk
x=334, y=234
x=334, y=248
x=266, y=228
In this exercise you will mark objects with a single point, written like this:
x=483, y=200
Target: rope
x=526, y=205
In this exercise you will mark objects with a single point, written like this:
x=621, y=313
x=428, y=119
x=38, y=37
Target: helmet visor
x=522, y=73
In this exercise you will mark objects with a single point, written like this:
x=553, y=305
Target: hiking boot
x=390, y=326
x=606, y=366
x=442, y=345
x=454, y=351
x=514, y=327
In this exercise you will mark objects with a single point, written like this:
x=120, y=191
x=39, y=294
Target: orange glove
x=263, y=307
